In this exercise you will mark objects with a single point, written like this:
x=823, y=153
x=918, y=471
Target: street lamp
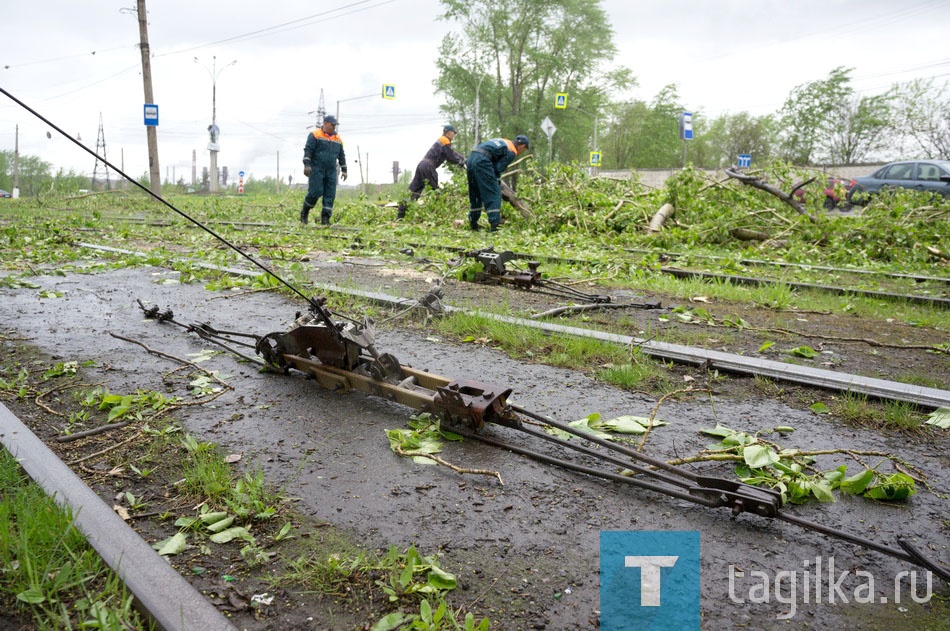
x=352, y=98
x=213, y=131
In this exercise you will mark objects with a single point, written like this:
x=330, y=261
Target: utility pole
x=100, y=157
x=155, y=173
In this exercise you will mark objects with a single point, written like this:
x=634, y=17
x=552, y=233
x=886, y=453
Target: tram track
x=728, y=362
x=938, y=296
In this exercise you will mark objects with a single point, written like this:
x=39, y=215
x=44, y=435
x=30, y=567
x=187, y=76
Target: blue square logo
x=649, y=580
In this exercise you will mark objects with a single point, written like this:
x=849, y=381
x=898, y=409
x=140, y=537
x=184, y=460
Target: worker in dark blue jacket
x=438, y=154
x=321, y=154
x=485, y=165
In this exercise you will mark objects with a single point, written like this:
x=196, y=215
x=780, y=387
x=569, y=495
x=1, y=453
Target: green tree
x=35, y=176
x=721, y=140
x=806, y=114
x=6, y=170
x=922, y=118
x=645, y=135
x=514, y=56
x=858, y=129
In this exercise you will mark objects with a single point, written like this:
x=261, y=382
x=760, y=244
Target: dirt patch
x=526, y=552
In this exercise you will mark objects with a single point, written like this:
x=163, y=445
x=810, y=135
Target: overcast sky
x=74, y=61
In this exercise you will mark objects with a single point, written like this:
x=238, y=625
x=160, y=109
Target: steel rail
x=933, y=301
x=160, y=591
x=803, y=266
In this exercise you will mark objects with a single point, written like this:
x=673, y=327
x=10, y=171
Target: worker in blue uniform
x=321, y=154
x=426, y=174
x=485, y=165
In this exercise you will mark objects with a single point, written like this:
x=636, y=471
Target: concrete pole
x=155, y=172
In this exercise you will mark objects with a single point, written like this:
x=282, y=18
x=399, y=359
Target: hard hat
x=330, y=118
x=521, y=139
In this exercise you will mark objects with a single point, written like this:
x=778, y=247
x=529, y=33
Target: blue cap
x=521, y=139
x=330, y=118
x=447, y=128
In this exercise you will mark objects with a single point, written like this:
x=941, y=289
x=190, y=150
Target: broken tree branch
x=446, y=463
x=788, y=198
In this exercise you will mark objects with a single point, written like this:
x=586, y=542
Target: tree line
x=514, y=56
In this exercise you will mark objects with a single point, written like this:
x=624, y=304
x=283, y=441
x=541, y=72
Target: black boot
x=325, y=218
x=473, y=216
x=305, y=213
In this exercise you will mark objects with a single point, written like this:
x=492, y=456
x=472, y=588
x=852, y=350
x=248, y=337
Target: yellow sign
x=560, y=101
x=389, y=91
x=595, y=158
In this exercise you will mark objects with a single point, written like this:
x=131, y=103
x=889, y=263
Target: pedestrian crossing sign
x=389, y=91
x=560, y=101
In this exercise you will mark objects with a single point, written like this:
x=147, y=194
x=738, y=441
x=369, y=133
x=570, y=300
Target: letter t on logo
x=649, y=576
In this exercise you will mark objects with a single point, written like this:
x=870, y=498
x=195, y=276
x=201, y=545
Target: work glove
x=343, y=174
x=307, y=171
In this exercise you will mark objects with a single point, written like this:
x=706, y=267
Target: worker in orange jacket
x=438, y=154
x=321, y=154
x=485, y=165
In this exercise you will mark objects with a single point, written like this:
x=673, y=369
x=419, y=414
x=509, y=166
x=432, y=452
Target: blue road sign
x=151, y=115
x=686, y=126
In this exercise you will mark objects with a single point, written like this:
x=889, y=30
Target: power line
x=316, y=18
x=62, y=58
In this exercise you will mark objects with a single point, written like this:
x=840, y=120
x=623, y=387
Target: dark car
x=3, y=193
x=918, y=175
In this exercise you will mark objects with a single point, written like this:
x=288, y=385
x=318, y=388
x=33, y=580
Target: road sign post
x=547, y=126
x=686, y=131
